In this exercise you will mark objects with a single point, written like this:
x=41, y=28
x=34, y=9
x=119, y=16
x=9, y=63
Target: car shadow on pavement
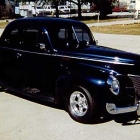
x=103, y=119
x=127, y=119
x=130, y=123
x=26, y=97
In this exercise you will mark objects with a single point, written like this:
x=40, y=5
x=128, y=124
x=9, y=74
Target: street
x=24, y=119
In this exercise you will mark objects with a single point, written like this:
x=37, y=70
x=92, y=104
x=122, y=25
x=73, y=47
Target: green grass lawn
x=3, y=24
x=126, y=29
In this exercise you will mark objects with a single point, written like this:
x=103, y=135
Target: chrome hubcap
x=78, y=103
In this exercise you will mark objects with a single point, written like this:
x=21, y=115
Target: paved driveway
x=130, y=43
x=21, y=119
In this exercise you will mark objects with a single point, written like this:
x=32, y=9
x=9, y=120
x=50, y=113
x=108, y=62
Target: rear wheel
x=81, y=105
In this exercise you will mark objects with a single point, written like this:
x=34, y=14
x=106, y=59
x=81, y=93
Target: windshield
x=64, y=37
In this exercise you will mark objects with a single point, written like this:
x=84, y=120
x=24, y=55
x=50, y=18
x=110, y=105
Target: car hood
x=109, y=55
x=107, y=58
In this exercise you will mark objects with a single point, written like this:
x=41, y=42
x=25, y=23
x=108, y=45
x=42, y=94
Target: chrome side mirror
x=42, y=46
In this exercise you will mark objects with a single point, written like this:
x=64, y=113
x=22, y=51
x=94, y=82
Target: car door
x=36, y=61
x=8, y=55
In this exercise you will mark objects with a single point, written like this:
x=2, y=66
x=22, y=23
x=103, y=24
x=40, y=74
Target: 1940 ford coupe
x=58, y=60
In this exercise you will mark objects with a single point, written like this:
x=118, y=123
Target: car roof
x=43, y=21
x=40, y=22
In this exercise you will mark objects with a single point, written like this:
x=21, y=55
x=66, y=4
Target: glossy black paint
x=55, y=70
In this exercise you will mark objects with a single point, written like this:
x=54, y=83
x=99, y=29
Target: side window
x=33, y=38
x=81, y=34
x=68, y=34
x=57, y=36
x=62, y=37
x=30, y=39
x=63, y=33
x=67, y=37
x=43, y=39
x=12, y=39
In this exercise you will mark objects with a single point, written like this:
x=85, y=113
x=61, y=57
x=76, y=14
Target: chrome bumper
x=112, y=109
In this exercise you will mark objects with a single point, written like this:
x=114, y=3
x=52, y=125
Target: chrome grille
x=136, y=82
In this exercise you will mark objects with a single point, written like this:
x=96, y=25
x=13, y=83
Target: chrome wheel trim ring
x=78, y=103
x=138, y=110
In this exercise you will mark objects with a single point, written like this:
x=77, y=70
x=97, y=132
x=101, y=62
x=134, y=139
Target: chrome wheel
x=138, y=111
x=78, y=103
x=81, y=105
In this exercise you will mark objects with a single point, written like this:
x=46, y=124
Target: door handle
x=18, y=55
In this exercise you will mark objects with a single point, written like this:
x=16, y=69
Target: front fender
x=90, y=76
x=65, y=83
x=96, y=84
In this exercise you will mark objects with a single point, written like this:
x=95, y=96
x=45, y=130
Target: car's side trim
x=131, y=75
x=26, y=51
x=72, y=57
x=95, y=60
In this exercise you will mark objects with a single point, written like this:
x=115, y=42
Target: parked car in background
x=50, y=9
x=57, y=60
x=134, y=7
x=29, y=10
x=38, y=11
x=64, y=9
x=119, y=9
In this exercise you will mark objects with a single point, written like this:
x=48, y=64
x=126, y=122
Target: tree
x=56, y=2
x=2, y=2
x=2, y=5
x=78, y=3
x=104, y=7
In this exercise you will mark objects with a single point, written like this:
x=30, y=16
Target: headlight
x=114, y=85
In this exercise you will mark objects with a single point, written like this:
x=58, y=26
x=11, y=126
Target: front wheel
x=81, y=105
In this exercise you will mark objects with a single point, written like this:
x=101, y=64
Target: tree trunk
x=56, y=6
x=79, y=10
